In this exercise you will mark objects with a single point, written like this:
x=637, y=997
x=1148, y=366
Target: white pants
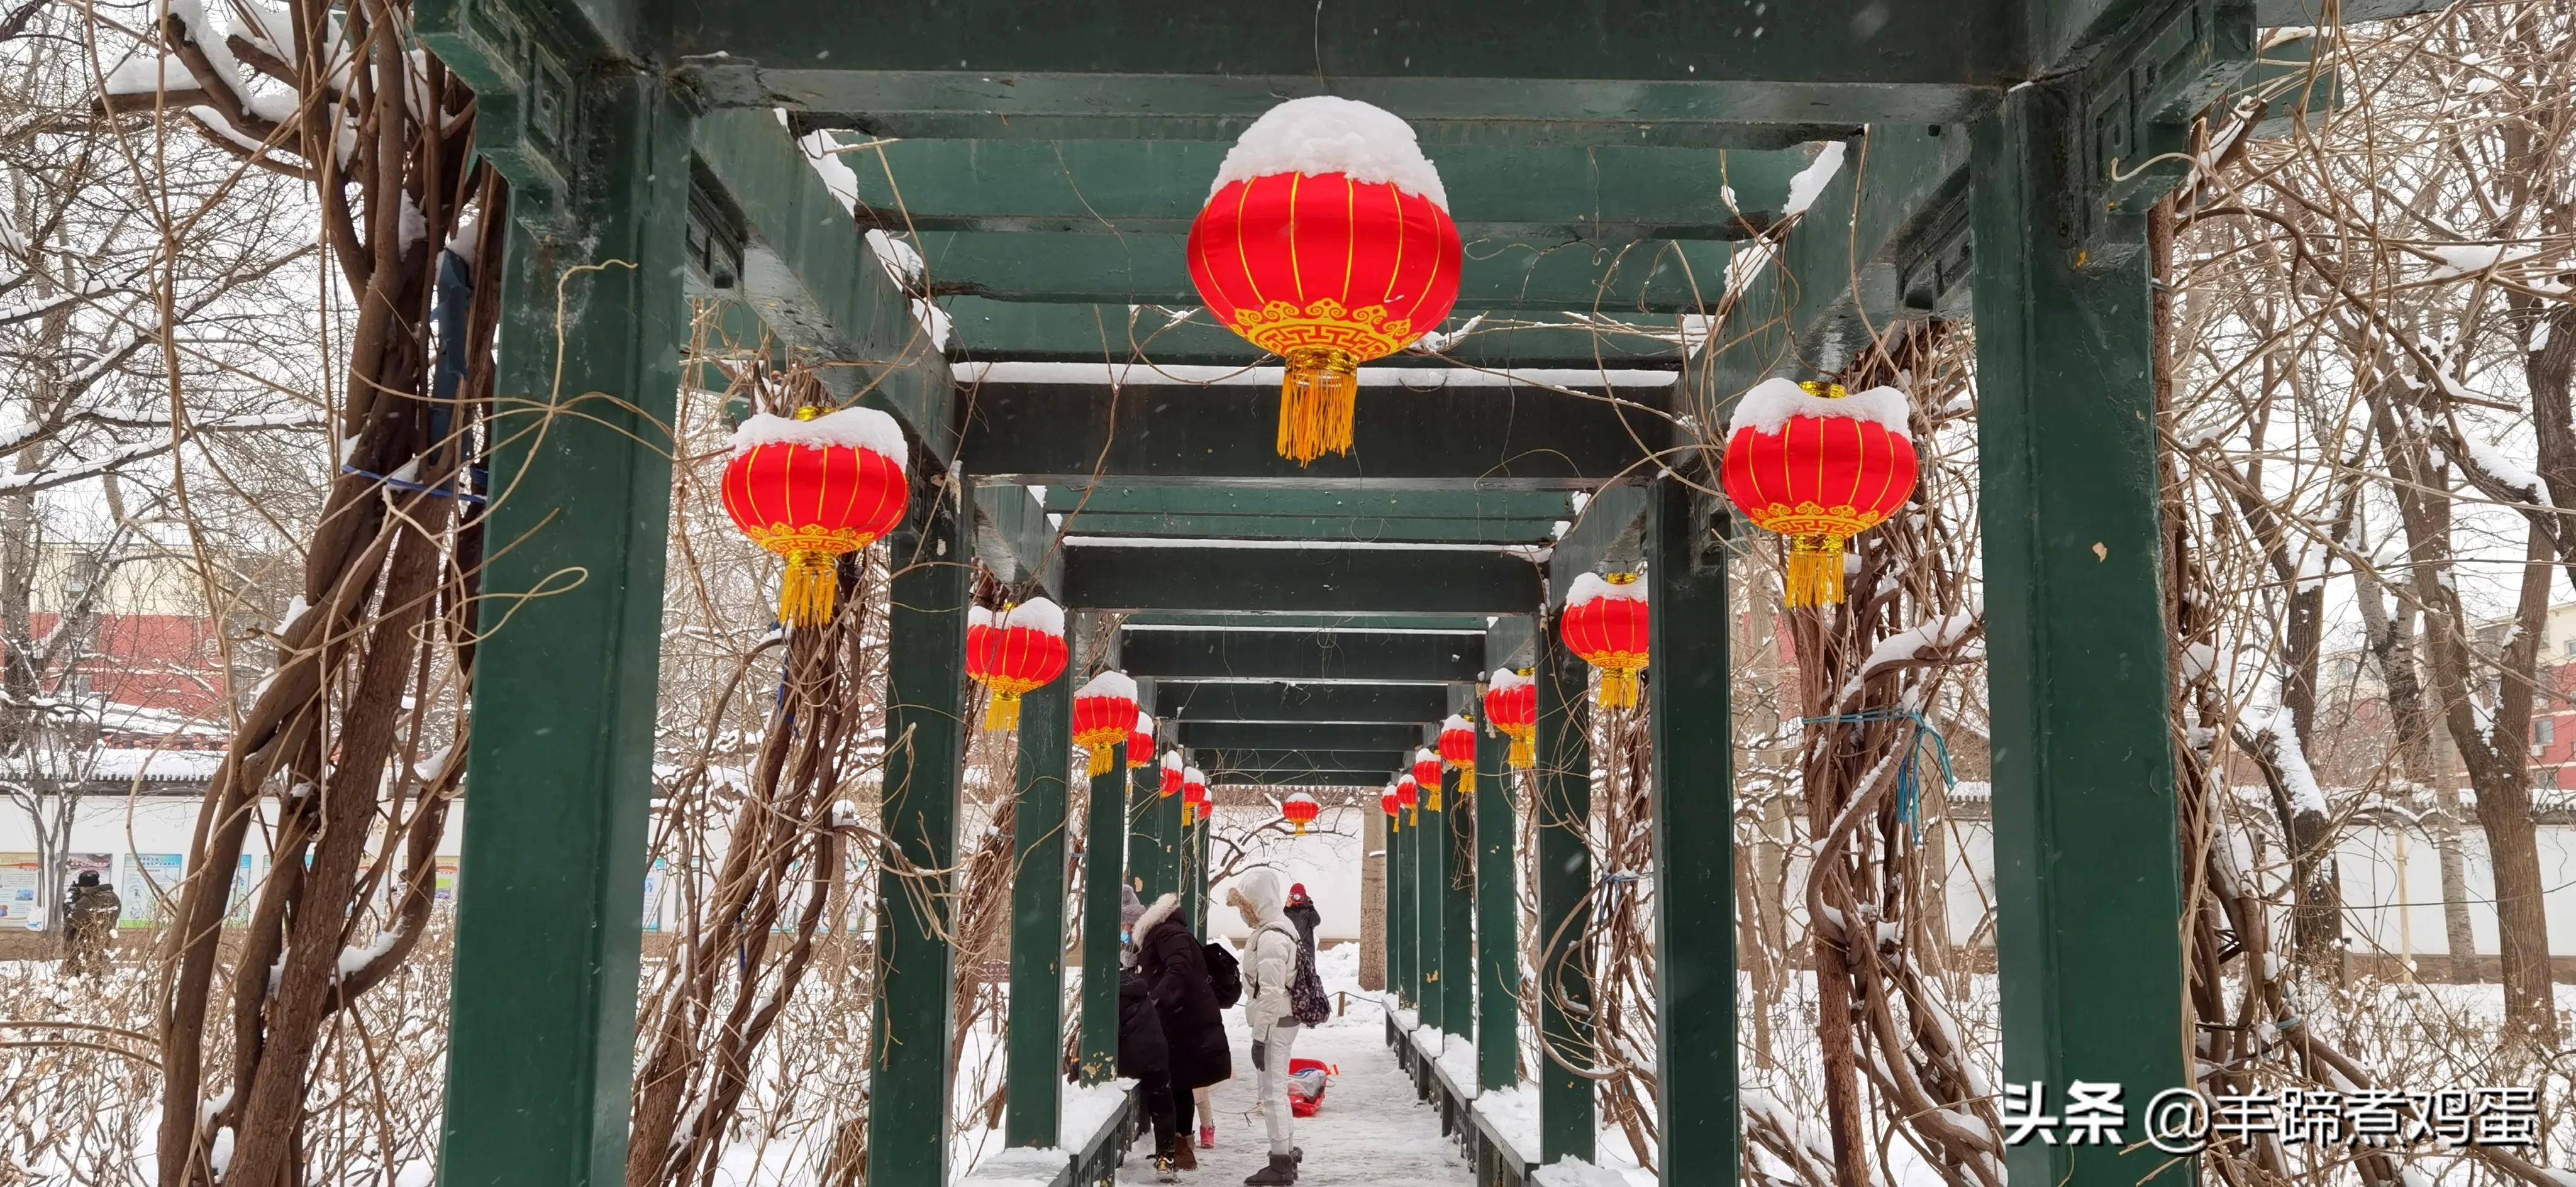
x=1273, y=1089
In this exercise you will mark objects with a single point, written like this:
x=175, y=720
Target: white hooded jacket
x=1270, y=962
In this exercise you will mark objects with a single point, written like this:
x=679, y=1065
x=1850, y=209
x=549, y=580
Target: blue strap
x=1909, y=789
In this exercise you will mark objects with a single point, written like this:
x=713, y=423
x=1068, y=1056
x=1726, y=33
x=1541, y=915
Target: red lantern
x=1408, y=792
x=1605, y=623
x=1511, y=706
x=1394, y=810
x=1140, y=742
x=811, y=487
x=1458, y=749
x=1194, y=797
x=1173, y=778
x=1014, y=652
x=1300, y=810
x=1818, y=466
x=1426, y=772
x=1104, y=711
x=1326, y=240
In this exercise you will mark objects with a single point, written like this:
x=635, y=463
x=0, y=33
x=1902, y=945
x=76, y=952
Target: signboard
x=18, y=878
x=148, y=876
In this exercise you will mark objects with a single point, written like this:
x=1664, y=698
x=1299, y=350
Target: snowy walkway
x=1371, y=1130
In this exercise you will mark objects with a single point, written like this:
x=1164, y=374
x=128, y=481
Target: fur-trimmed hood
x=1153, y=917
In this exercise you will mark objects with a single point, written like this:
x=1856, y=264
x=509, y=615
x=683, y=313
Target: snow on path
x=1371, y=1129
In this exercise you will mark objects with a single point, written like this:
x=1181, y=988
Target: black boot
x=1281, y=1172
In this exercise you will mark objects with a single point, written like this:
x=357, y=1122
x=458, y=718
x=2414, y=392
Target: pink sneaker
x=1207, y=1137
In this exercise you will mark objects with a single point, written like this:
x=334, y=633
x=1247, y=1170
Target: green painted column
x=1208, y=900
x=1104, y=870
x=925, y=734
x=1037, y=915
x=2086, y=874
x=1186, y=876
x=1498, y=921
x=542, y=1040
x=1399, y=943
x=1694, y=807
x=1457, y=912
x=1564, y=804
x=1145, y=846
x=1430, y=882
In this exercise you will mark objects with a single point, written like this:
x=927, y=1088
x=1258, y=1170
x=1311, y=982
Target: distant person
x=1271, y=961
x=1143, y=1056
x=89, y=925
x=1302, y=912
x=1176, y=973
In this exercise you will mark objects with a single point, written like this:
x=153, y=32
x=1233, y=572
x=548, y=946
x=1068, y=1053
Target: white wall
x=1326, y=859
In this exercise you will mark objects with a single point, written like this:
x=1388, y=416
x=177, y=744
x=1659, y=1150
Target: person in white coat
x=1270, y=964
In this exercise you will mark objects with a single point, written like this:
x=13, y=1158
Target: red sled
x=1307, y=1079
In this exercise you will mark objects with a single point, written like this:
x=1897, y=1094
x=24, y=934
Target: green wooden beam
x=815, y=282
x=1015, y=541
x=1321, y=622
x=1606, y=536
x=1498, y=920
x=1104, y=871
x=541, y=1042
x=1287, y=766
x=1355, y=581
x=1489, y=437
x=2088, y=880
x=1321, y=530
x=924, y=763
x=984, y=328
x=1647, y=276
x=1301, y=655
x=1102, y=187
x=1565, y=1110
x=1689, y=685
x=1040, y=794
x=1356, y=502
x=1281, y=735
x=1188, y=701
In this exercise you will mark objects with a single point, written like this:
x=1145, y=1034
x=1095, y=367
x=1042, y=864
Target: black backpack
x=1225, y=975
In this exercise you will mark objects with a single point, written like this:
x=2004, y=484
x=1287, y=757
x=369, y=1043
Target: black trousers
x=1156, y=1089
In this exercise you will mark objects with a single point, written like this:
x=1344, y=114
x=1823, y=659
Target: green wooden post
x=1430, y=884
x=542, y=1039
x=1457, y=912
x=1694, y=811
x=2086, y=871
x=1208, y=901
x=1399, y=921
x=1186, y=877
x=1498, y=923
x=925, y=735
x=1564, y=804
x=1104, y=871
x=1037, y=914
x=1144, y=845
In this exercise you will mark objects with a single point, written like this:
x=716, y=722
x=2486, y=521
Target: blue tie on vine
x=1909, y=787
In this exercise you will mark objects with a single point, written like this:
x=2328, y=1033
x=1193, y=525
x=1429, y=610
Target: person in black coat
x=1143, y=1056
x=1193, y=1031
x=1302, y=913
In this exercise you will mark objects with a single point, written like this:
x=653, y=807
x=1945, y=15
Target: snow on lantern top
x=1323, y=134
x=1505, y=679
x=1115, y=685
x=1144, y=722
x=978, y=616
x=1456, y=721
x=1037, y=614
x=1172, y=760
x=1591, y=587
x=849, y=428
x=1772, y=403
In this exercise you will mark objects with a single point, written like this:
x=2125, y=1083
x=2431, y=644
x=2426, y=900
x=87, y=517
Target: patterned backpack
x=1306, y=1000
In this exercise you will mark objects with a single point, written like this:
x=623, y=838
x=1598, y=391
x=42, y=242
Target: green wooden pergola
x=1047, y=159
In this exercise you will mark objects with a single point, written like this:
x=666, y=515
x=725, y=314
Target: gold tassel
x=1189, y=813
x=1434, y=805
x=1002, y=713
x=1316, y=403
x=1301, y=827
x=1466, y=781
x=1815, y=575
x=1524, y=750
x=1618, y=688
x=1396, y=822
x=808, y=590
x=1417, y=814
x=1099, y=764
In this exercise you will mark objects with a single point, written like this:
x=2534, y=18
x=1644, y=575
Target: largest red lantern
x=811, y=487
x=1458, y=750
x=1818, y=466
x=1605, y=622
x=1014, y=652
x=1511, y=705
x=1104, y=712
x=1326, y=240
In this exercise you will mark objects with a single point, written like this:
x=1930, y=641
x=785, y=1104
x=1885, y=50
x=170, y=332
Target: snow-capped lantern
x=810, y=487
x=1458, y=750
x=1426, y=773
x=1174, y=775
x=1408, y=795
x=1511, y=708
x=1605, y=622
x=1326, y=240
x=1393, y=808
x=1014, y=652
x=1194, y=796
x=1140, y=741
x=1819, y=466
x=1299, y=810
x=1104, y=710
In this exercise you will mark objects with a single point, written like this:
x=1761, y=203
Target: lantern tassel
x=1815, y=575
x=1466, y=780
x=1002, y=713
x=1316, y=403
x=1099, y=764
x=807, y=592
x=1524, y=750
x=1300, y=825
x=1618, y=688
x=1434, y=797
x=1416, y=811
